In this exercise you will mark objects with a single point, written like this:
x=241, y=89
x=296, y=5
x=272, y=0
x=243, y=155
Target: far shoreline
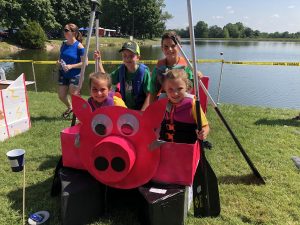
x=9, y=48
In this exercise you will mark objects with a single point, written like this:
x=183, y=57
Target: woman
x=70, y=60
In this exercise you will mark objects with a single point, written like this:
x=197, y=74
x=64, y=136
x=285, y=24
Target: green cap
x=131, y=46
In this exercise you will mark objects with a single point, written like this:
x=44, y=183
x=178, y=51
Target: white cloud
x=245, y=17
x=218, y=17
x=291, y=6
x=275, y=16
x=229, y=9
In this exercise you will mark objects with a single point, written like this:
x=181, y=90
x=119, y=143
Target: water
x=271, y=86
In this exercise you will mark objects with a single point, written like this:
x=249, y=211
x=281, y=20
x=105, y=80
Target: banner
x=14, y=114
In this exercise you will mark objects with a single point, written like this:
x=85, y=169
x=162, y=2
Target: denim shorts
x=62, y=80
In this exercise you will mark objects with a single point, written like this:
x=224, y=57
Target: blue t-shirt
x=71, y=55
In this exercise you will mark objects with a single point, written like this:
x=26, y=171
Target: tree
x=215, y=32
x=71, y=11
x=32, y=36
x=17, y=13
x=141, y=18
x=248, y=32
x=226, y=32
x=233, y=30
x=201, y=30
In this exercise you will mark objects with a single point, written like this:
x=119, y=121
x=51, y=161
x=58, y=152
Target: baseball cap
x=131, y=46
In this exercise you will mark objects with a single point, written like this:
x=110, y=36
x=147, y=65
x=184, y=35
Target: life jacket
x=179, y=124
x=109, y=101
x=161, y=68
x=137, y=85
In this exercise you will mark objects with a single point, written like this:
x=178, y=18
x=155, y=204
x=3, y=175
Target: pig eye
x=102, y=125
x=128, y=124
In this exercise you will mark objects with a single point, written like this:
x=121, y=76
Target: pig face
x=115, y=144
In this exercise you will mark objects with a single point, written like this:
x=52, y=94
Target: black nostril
x=101, y=163
x=118, y=164
x=100, y=129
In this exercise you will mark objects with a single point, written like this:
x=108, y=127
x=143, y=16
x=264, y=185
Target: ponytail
x=78, y=36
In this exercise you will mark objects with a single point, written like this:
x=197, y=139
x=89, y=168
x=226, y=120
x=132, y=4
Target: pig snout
x=114, y=158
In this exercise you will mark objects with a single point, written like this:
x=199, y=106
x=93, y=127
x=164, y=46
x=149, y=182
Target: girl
x=180, y=123
x=172, y=60
x=100, y=91
x=70, y=59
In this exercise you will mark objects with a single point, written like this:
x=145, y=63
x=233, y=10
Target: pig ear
x=155, y=112
x=81, y=108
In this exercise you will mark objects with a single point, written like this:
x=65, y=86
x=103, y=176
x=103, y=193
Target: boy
x=133, y=77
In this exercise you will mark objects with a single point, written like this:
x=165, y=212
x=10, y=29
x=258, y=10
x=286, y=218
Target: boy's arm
x=146, y=102
x=147, y=88
x=97, y=55
x=153, y=92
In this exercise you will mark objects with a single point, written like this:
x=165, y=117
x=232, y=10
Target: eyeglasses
x=67, y=30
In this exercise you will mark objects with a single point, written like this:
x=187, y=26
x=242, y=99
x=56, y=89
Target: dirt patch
x=52, y=47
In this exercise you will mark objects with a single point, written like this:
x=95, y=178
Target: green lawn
x=269, y=136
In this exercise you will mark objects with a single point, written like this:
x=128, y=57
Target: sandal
x=67, y=114
x=296, y=118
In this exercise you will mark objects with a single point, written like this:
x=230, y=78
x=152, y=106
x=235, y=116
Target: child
x=133, y=77
x=172, y=60
x=100, y=91
x=179, y=123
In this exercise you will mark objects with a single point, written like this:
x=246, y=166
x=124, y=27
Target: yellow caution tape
x=153, y=62
x=263, y=63
x=20, y=61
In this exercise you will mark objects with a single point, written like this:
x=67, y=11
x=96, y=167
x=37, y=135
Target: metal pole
x=24, y=184
x=97, y=44
x=220, y=80
x=85, y=58
x=33, y=72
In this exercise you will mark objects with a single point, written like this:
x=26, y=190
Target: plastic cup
x=16, y=159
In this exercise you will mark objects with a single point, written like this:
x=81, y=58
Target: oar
x=95, y=3
x=215, y=106
x=205, y=185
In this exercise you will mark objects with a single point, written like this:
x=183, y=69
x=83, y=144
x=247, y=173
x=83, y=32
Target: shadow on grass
x=37, y=198
x=49, y=163
x=44, y=119
x=280, y=122
x=248, y=179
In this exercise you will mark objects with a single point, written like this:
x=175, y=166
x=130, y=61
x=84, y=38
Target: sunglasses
x=67, y=30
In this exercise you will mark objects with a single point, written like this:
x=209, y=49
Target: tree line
x=141, y=18
x=230, y=30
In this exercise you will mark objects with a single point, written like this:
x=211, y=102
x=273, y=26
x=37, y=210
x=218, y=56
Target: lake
x=270, y=86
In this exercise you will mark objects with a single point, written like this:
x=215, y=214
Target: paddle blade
x=205, y=191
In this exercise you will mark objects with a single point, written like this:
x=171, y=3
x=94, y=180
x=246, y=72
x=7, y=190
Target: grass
x=269, y=136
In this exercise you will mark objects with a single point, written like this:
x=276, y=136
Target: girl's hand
x=203, y=133
x=68, y=67
x=200, y=74
x=97, y=55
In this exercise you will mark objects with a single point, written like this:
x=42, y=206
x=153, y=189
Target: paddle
x=205, y=185
x=215, y=106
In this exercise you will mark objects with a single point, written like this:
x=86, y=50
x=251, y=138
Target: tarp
x=14, y=113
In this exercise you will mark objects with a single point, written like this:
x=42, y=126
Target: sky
x=263, y=15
